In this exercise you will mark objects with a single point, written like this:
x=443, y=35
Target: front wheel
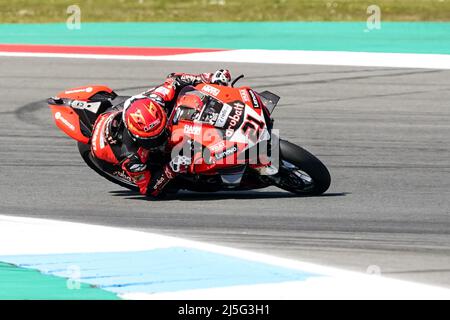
x=301, y=172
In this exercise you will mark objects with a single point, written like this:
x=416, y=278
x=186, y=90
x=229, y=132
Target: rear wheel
x=301, y=172
x=108, y=171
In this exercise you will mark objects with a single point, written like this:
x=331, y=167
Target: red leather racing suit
x=110, y=141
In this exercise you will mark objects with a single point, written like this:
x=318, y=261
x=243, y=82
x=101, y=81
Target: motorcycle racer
x=138, y=134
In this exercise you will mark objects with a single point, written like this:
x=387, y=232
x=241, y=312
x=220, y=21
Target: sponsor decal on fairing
x=226, y=153
x=254, y=99
x=78, y=104
x=235, y=119
x=58, y=116
x=98, y=128
x=88, y=89
x=211, y=90
x=223, y=115
x=123, y=175
x=192, y=129
x=218, y=146
x=244, y=95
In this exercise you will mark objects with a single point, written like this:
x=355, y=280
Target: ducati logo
x=152, y=109
x=138, y=117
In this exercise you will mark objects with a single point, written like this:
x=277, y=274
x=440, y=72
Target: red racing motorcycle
x=228, y=132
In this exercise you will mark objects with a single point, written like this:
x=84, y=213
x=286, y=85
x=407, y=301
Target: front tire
x=301, y=172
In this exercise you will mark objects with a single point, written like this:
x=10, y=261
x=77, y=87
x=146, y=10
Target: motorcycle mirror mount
x=236, y=80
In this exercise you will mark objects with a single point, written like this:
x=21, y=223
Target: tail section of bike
x=75, y=110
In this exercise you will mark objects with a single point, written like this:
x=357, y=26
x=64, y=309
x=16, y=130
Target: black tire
x=85, y=152
x=307, y=163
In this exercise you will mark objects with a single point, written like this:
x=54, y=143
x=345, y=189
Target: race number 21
x=251, y=128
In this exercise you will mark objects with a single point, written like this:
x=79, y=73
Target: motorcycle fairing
x=75, y=110
x=229, y=122
x=86, y=93
x=69, y=122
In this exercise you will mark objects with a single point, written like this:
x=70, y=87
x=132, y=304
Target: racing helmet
x=145, y=121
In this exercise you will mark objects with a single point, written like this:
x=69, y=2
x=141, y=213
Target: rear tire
x=305, y=162
x=85, y=152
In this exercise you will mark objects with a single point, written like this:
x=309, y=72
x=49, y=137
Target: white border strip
x=24, y=236
x=336, y=58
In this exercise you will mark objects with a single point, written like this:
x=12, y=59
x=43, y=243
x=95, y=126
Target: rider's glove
x=138, y=172
x=221, y=77
x=178, y=165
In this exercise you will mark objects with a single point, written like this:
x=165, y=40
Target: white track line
x=336, y=58
x=317, y=288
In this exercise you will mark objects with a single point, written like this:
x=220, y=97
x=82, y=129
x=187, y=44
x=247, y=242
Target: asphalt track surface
x=384, y=134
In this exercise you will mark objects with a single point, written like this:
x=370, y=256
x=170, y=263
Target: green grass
x=35, y=11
